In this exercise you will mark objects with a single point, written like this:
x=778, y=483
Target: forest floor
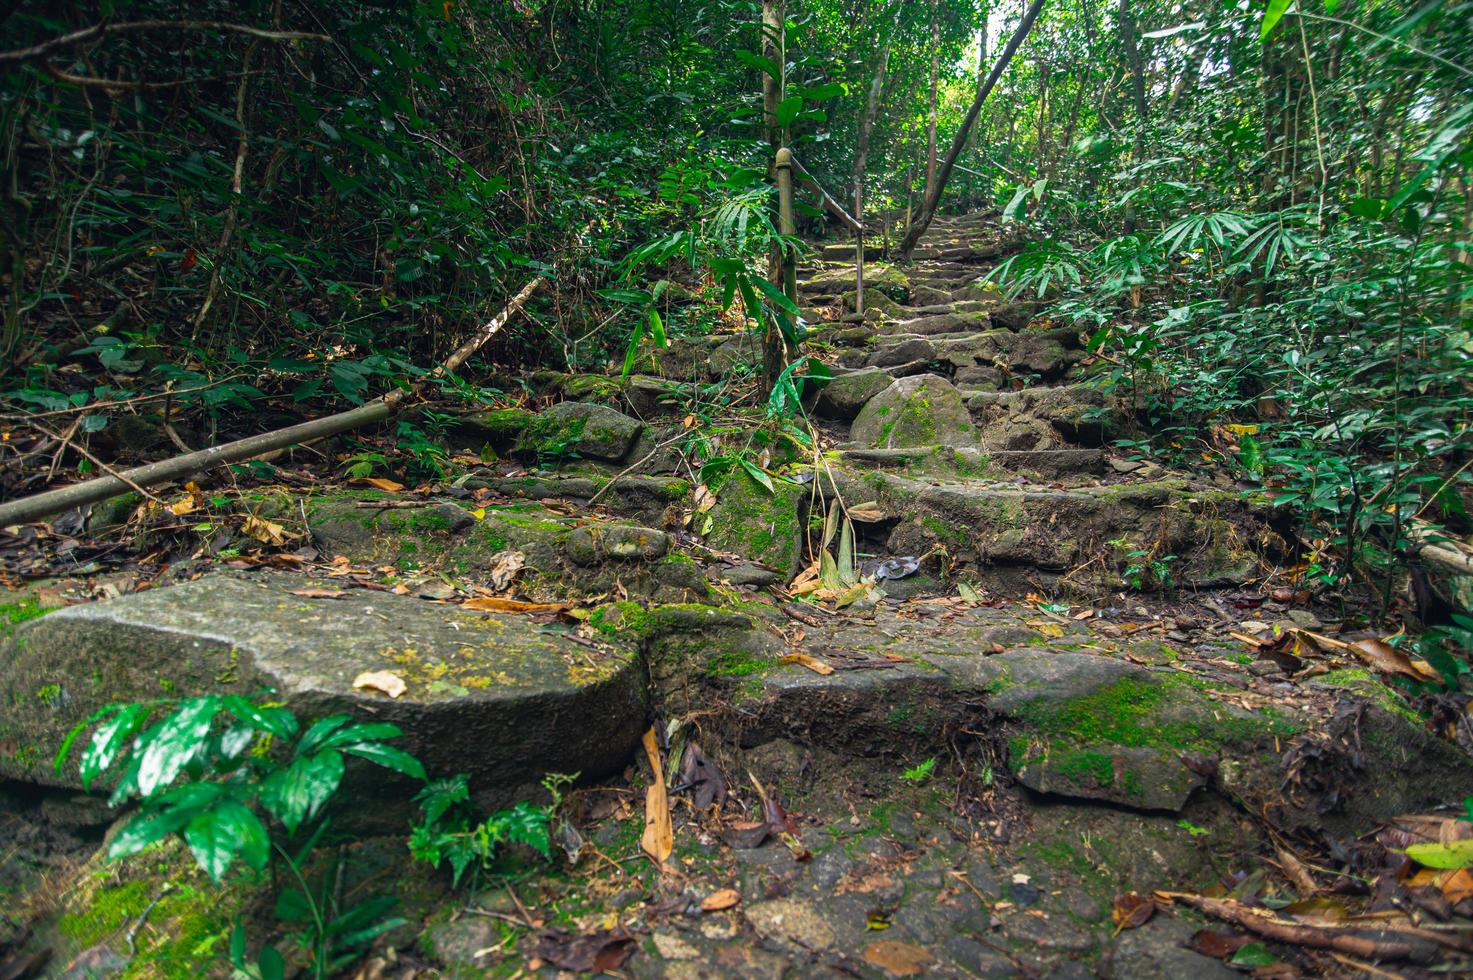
x=957, y=690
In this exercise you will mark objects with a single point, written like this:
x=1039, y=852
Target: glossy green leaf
x=1272, y=15
x=389, y=757
x=295, y=794
x=168, y=746
x=108, y=741
x=1458, y=854
x=218, y=834
x=147, y=828
x=758, y=474
x=788, y=109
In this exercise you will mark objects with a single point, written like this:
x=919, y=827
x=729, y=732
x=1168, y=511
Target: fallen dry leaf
x=804, y=660
x=705, y=499
x=658, y=839
x=866, y=513
x=383, y=681
x=1458, y=886
x=724, y=899
x=1131, y=911
x=320, y=593
x=264, y=531
x=490, y=603
x=1386, y=658
x=379, y=483
x=598, y=952
x=898, y=959
x=504, y=568
x=1216, y=944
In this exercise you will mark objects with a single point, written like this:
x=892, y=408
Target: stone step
x=1043, y=465
x=463, y=542
x=492, y=695
x=1016, y=539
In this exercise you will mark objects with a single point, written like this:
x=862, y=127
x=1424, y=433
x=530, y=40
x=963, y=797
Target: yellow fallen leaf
x=379, y=483
x=804, y=660
x=723, y=899
x=658, y=839
x=264, y=531
x=1242, y=430
x=382, y=681
x=186, y=505
x=498, y=604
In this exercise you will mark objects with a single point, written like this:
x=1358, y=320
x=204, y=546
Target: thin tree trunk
x=1138, y=95
x=861, y=153
x=928, y=207
x=774, y=15
x=931, y=113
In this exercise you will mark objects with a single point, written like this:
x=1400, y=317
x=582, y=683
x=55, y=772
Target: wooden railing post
x=859, y=247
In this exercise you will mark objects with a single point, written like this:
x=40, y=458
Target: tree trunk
x=1129, y=41
x=928, y=207
x=931, y=113
x=774, y=16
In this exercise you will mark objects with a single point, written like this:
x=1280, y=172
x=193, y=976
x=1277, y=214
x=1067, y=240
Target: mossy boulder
x=759, y=524
x=488, y=694
x=846, y=394
x=1094, y=727
x=582, y=428
x=925, y=410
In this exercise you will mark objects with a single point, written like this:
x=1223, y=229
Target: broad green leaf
x=109, y=740
x=271, y=964
x=216, y=835
x=631, y=353
x=388, y=757
x=757, y=473
x=1458, y=854
x=296, y=793
x=372, y=732
x=147, y=828
x=1272, y=16
x=788, y=109
x=1010, y=213
x=278, y=721
x=776, y=296
x=169, y=745
x=319, y=732
x=78, y=729
x=657, y=329
x=293, y=906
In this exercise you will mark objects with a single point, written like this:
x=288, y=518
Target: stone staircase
x=1075, y=726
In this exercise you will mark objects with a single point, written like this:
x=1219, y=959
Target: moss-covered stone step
x=1084, y=539
x=564, y=556
x=1044, y=465
x=495, y=696
x=1047, y=417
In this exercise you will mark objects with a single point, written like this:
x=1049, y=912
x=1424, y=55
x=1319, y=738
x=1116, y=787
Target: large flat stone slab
x=502, y=698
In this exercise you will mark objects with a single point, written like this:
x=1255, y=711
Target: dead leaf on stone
x=723, y=899
x=898, y=959
x=383, y=681
x=504, y=568
x=804, y=660
x=597, y=952
x=497, y=604
x=745, y=834
x=320, y=593
x=705, y=499
x=264, y=531
x=1458, y=886
x=866, y=513
x=658, y=839
x=1131, y=911
x=1382, y=656
x=379, y=483
x=700, y=774
x=1216, y=944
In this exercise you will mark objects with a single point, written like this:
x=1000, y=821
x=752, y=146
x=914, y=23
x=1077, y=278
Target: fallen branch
x=1379, y=943
x=42, y=505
